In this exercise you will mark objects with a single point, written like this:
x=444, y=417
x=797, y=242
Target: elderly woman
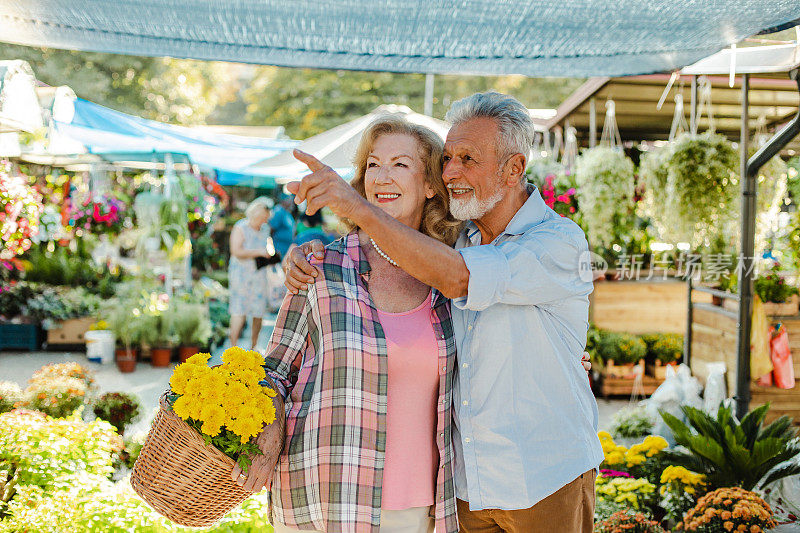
x=365, y=357
x=249, y=291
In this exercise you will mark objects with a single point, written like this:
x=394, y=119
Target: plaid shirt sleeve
x=288, y=343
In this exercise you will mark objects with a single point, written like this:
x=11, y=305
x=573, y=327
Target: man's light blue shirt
x=525, y=417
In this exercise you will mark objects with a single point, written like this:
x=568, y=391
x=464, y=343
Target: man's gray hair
x=514, y=122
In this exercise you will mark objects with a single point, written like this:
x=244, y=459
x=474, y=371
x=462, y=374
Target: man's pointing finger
x=309, y=160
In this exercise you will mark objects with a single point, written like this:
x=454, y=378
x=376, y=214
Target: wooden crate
x=70, y=331
x=642, y=306
x=613, y=386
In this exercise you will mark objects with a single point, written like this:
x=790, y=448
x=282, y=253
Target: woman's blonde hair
x=437, y=222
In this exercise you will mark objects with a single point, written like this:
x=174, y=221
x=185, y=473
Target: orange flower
x=726, y=515
x=728, y=526
x=755, y=529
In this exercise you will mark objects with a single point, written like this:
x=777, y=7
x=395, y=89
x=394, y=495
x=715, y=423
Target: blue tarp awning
x=578, y=38
x=118, y=136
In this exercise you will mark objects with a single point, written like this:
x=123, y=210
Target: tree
x=307, y=102
x=170, y=90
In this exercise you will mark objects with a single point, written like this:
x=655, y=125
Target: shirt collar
x=532, y=212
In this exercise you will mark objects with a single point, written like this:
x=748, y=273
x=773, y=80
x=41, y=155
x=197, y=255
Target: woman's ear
x=429, y=192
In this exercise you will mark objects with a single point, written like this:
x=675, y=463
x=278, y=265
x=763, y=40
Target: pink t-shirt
x=409, y=472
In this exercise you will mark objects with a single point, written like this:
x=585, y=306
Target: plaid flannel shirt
x=328, y=353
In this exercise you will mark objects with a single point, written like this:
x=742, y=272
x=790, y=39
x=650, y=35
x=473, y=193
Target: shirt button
x=465, y=365
x=469, y=328
x=465, y=402
x=467, y=439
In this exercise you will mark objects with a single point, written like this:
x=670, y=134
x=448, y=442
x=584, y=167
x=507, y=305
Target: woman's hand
x=262, y=467
x=299, y=272
x=585, y=361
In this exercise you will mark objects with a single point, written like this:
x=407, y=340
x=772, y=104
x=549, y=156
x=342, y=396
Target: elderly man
x=525, y=443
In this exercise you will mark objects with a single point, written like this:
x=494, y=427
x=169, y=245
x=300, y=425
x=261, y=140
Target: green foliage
x=307, y=102
x=772, y=287
x=666, y=347
x=63, y=268
x=192, y=324
x=730, y=453
x=691, y=184
x=62, y=303
x=57, y=396
x=14, y=297
x=10, y=393
x=56, y=453
x=605, y=180
x=630, y=521
x=166, y=89
x=56, y=472
x=117, y=408
x=632, y=422
x=622, y=348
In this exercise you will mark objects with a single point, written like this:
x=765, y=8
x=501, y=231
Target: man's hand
x=299, y=272
x=324, y=187
x=587, y=364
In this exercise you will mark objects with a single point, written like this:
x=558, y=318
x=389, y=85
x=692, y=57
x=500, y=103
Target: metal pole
x=693, y=116
x=747, y=249
x=429, y=94
x=687, y=340
x=592, y=124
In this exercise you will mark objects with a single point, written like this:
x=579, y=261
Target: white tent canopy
x=337, y=146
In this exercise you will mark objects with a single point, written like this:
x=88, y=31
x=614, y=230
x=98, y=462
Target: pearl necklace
x=381, y=252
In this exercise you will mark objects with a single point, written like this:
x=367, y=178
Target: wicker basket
x=185, y=479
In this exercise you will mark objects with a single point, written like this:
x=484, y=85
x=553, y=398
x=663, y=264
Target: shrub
x=631, y=423
x=56, y=452
x=772, y=287
x=679, y=490
x=55, y=396
x=616, y=493
x=629, y=521
x=731, y=453
x=10, y=394
x=666, y=347
x=67, y=370
x=118, y=409
x=622, y=348
x=729, y=509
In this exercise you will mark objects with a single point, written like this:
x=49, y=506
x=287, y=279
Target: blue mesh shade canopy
x=535, y=38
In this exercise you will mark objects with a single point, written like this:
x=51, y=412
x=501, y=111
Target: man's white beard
x=473, y=209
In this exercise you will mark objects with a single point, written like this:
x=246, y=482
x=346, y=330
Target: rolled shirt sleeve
x=533, y=269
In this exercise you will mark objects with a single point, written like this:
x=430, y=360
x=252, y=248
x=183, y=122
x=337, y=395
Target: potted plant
x=118, y=409
x=779, y=297
x=128, y=324
x=663, y=349
x=623, y=353
x=164, y=337
x=193, y=328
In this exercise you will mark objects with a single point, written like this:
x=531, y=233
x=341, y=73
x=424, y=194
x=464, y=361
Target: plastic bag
x=679, y=388
x=781, y=356
x=714, y=392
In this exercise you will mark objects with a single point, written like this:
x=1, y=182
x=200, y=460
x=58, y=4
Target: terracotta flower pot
x=126, y=359
x=716, y=300
x=160, y=357
x=185, y=352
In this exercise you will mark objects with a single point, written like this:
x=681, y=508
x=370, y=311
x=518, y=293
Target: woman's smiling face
x=394, y=178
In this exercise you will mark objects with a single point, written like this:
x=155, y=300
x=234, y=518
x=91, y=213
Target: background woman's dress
x=249, y=290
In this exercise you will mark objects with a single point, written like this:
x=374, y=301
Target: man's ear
x=514, y=169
